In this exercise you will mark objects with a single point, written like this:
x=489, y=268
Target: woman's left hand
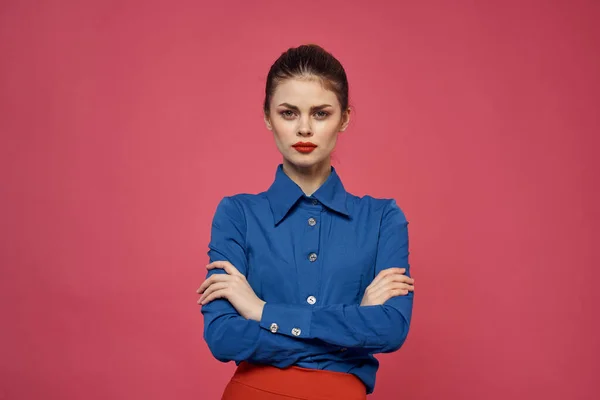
x=234, y=287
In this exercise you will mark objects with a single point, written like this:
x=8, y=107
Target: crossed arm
x=238, y=325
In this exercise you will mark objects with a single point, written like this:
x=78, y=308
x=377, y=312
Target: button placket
x=312, y=233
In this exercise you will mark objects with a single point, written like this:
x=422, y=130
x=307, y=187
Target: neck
x=308, y=178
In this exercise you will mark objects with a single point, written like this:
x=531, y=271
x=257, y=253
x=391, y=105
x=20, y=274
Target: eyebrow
x=313, y=108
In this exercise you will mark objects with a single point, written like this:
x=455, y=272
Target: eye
x=287, y=114
x=321, y=114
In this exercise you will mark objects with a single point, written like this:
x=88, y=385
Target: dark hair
x=306, y=61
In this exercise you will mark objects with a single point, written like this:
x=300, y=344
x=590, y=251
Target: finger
x=382, y=274
x=393, y=270
x=206, y=284
x=399, y=285
x=385, y=280
x=397, y=278
x=218, y=264
x=384, y=292
x=376, y=285
x=396, y=293
x=217, y=294
x=388, y=272
x=224, y=265
x=410, y=288
x=385, y=295
x=211, y=289
x=403, y=279
x=212, y=280
x=203, y=286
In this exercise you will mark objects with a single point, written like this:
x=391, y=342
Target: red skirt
x=264, y=382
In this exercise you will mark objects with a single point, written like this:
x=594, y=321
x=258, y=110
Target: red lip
x=304, y=144
x=304, y=147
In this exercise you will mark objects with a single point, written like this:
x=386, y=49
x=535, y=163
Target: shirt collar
x=284, y=193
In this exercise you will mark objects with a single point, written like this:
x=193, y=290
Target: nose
x=304, y=133
x=304, y=129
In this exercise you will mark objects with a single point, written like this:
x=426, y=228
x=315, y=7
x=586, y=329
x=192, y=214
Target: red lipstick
x=304, y=147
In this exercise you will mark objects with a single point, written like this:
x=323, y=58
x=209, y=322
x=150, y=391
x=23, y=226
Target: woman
x=306, y=281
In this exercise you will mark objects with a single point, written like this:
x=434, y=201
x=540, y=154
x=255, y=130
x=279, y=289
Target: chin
x=304, y=161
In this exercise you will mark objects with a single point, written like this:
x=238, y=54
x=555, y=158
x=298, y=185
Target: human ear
x=268, y=122
x=345, y=120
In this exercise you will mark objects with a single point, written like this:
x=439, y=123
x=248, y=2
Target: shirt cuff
x=287, y=319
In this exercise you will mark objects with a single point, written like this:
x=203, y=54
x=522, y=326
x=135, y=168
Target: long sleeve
x=230, y=336
x=376, y=329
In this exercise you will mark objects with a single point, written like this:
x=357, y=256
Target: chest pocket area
x=347, y=271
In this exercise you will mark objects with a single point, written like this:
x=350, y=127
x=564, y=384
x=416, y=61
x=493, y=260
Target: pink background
x=124, y=122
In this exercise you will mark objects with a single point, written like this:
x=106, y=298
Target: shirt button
x=315, y=202
x=312, y=221
x=312, y=257
x=274, y=327
x=296, y=331
x=343, y=349
x=311, y=300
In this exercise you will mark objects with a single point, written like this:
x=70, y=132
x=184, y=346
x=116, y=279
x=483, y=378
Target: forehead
x=303, y=93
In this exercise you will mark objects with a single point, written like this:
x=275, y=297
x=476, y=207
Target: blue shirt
x=310, y=259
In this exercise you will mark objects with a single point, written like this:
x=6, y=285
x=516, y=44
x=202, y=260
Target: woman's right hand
x=388, y=283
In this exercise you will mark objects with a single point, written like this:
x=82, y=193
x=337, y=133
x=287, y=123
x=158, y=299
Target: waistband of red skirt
x=301, y=382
